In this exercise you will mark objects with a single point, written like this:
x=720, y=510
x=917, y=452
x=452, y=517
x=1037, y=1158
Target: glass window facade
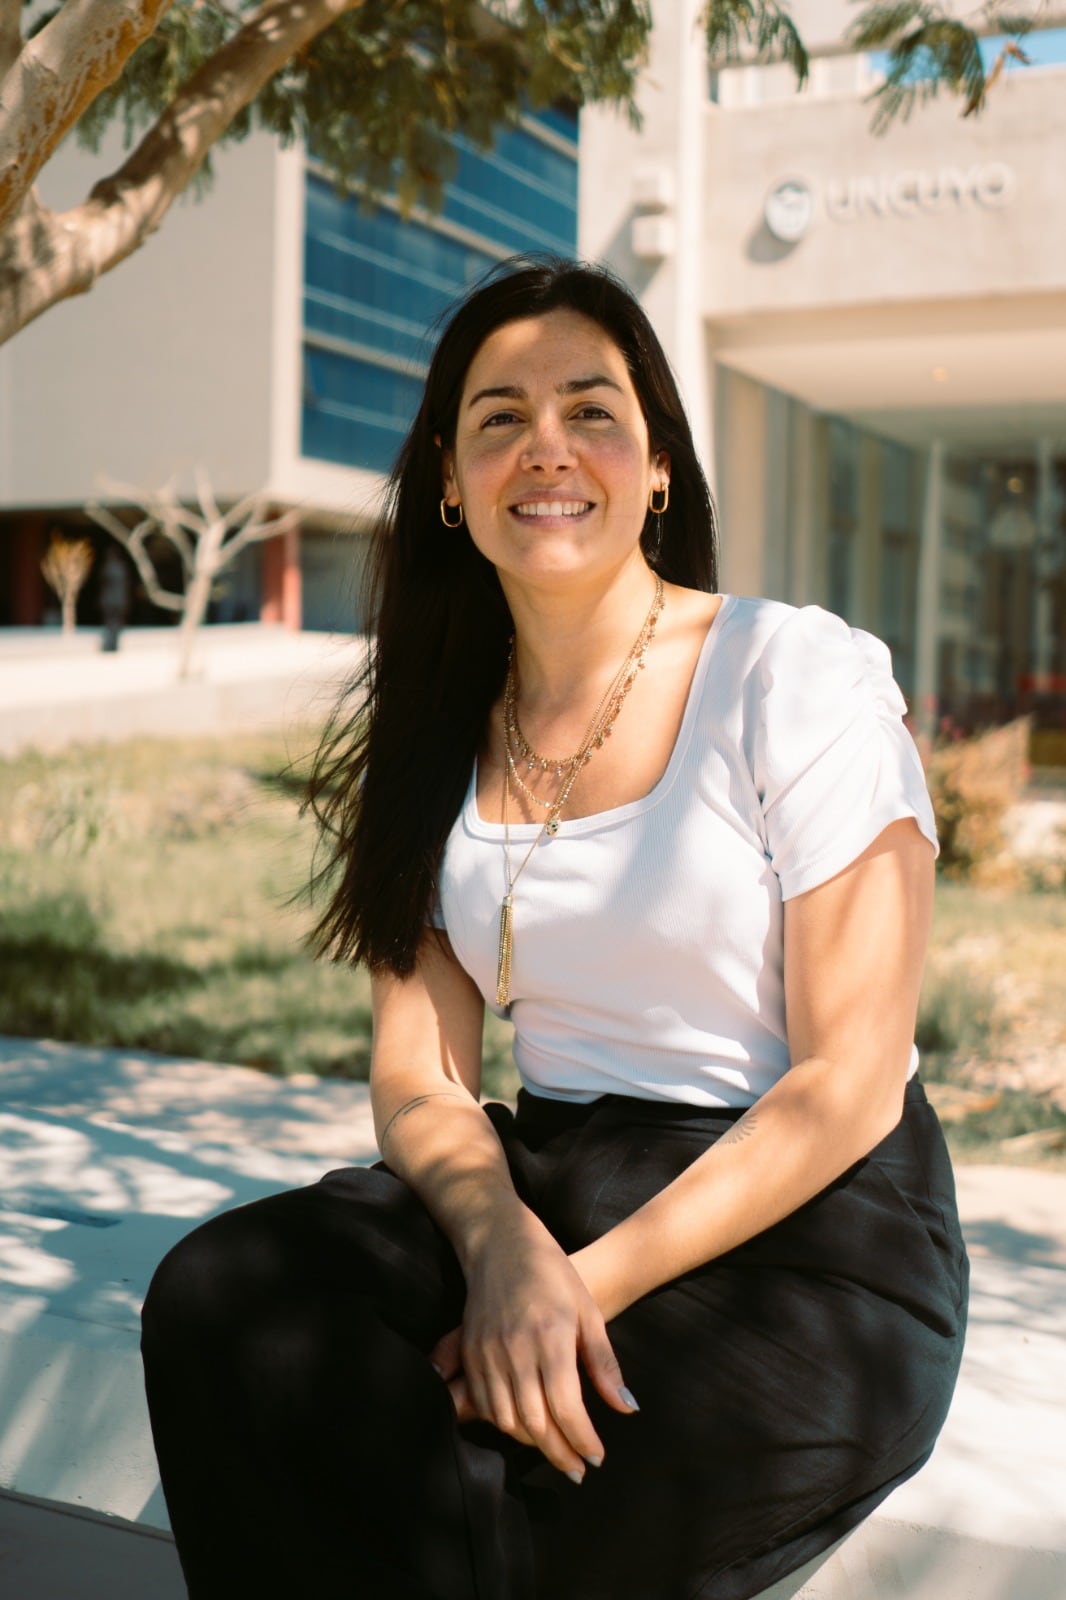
x=843, y=513
x=899, y=558
x=375, y=285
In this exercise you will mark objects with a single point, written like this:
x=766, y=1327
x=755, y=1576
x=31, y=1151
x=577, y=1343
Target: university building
x=275, y=336
x=871, y=335
x=869, y=330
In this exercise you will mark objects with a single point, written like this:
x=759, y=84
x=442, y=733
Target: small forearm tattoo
x=742, y=1129
x=413, y=1105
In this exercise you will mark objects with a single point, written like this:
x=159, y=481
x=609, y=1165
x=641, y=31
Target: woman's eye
x=499, y=419
x=594, y=413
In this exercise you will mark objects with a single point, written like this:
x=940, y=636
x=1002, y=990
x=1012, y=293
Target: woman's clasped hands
x=529, y=1324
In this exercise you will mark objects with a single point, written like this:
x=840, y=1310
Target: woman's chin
x=558, y=557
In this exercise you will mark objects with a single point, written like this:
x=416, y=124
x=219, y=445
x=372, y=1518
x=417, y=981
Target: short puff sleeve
x=833, y=762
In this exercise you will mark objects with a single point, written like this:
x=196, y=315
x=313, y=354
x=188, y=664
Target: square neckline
x=573, y=827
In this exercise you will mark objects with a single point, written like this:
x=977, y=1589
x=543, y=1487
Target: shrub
x=973, y=784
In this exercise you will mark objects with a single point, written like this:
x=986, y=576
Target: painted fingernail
x=594, y=1461
x=626, y=1397
x=576, y=1476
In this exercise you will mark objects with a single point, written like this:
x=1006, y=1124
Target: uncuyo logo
x=788, y=210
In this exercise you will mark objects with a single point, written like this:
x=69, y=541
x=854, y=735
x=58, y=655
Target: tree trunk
x=197, y=597
x=56, y=76
x=198, y=594
x=47, y=256
x=69, y=604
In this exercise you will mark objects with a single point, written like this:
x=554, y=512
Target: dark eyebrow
x=598, y=380
x=507, y=391
x=511, y=391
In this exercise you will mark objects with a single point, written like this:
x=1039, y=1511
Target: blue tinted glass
x=354, y=411
x=897, y=489
x=560, y=119
x=378, y=283
x=843, y=470
x=521, y=194
x=376, y=280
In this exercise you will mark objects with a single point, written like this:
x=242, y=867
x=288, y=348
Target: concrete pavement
x=55, y=691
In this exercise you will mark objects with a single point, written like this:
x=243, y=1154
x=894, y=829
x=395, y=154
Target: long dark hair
x=394, y=764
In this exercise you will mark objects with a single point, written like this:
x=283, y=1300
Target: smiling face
x=551, y=459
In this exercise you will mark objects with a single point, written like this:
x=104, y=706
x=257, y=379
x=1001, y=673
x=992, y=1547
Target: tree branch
x=255, y=532
x=48, y=256
x=10, y=35
x=165, y=513
x=244, y=510
x=206, y=496
x=56, y=75
x=133, y=541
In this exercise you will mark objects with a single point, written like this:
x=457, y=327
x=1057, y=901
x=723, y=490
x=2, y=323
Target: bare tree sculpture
x=206, y=540
x=66, y=564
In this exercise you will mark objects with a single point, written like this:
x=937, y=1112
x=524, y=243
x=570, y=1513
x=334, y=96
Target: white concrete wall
x=887, y=225
x=611, y=217
x=166, y=363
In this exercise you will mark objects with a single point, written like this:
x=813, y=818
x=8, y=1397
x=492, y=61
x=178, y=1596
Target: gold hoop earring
x=655, y=548
x=445, y=508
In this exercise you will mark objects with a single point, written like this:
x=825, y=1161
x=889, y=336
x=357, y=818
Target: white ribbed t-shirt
x=648, y=939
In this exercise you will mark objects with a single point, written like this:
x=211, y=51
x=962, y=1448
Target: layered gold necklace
x=520, y=755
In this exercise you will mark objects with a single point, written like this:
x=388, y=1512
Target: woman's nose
x=548, y=446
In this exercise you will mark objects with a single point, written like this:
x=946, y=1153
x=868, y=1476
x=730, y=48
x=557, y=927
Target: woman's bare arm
x=854, y=952
x=529, y=1318
x=425, y=1077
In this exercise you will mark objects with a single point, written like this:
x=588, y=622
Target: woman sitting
x=690, y=1312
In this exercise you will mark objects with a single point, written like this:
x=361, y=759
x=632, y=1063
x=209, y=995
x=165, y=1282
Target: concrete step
x=54, y=1552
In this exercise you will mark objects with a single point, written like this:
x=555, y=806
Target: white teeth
x=552, y=508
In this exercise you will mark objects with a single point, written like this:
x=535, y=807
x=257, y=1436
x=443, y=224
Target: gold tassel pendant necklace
x=518, y=751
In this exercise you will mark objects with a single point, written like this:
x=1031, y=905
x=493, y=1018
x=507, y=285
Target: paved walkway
x=54, y=691
x=112, y=1155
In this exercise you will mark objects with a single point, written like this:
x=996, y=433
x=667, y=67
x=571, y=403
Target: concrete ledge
x=49, y=1551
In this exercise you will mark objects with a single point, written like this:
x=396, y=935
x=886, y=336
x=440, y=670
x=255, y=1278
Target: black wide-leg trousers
x=308, y=1448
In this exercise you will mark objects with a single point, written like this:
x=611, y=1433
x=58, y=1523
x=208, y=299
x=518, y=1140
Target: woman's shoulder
x=781, y=643
x=752, y=636
x=793, y=674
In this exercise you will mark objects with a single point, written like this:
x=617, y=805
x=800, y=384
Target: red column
x=28, y=589
x=282, y=596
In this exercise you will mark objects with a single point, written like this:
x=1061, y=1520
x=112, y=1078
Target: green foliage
x=930, y=49
x=762, y=28
x=377, y=95
x=973, y=783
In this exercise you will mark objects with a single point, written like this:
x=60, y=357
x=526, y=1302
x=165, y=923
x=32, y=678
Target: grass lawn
x=992, y=1023
x=151, y=895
